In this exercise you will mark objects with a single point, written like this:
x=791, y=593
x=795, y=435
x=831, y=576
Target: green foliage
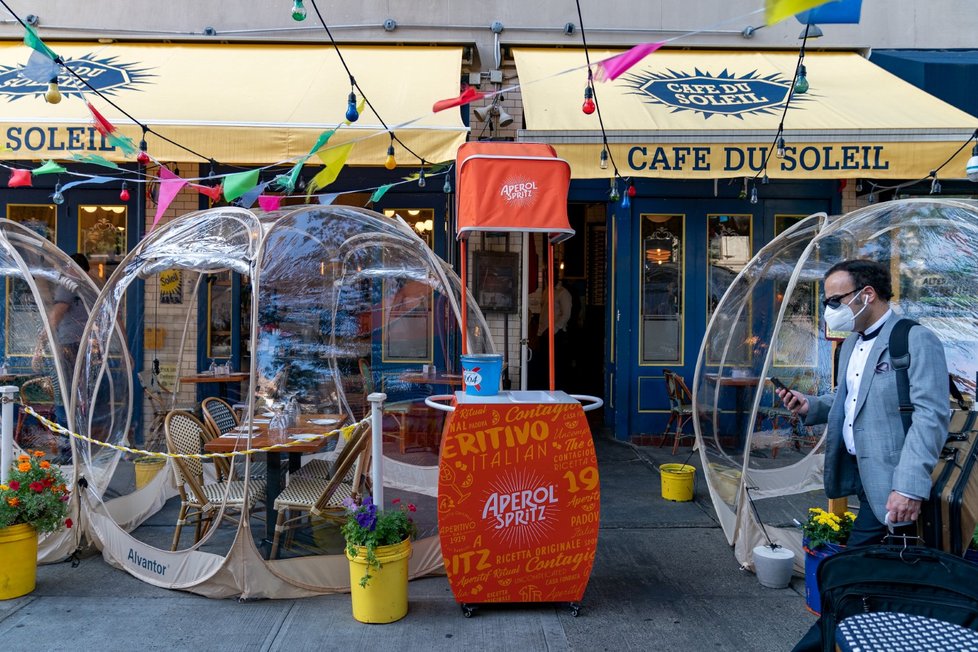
x=369, y=527
x=35, y=494
x=825, y=527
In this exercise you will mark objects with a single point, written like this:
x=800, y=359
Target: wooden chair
x=312, y=496
x=39, y=394
x=219, y=418
x=199, y=501
x=680, y=408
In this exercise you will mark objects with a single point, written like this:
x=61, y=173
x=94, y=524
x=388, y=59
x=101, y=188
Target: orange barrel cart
x=518, y=489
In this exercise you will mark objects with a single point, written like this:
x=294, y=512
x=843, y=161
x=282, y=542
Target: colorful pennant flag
x=49, y=167
x=93, y=159
x=214, y=192
x=614, y=67
x=170, y=185
x=239, y=183
x=32, y=40
x=469, y=94
x=777, y=10
x=40, y=69
x=270, y=203
x=102, y=125
x=380, y=192
x=327, y=198
x=334, y=159
x=20, y=178
x=122, y=143
x=68, y=186
x=248, y=199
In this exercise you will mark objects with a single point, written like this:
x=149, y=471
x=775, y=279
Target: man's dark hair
x=82, y=261
x=866, y=273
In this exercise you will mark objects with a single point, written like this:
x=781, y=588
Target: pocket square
x=882, y=367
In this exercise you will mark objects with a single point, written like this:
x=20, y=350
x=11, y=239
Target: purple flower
x=350, y=504
x=368, y=502
x=367, y=520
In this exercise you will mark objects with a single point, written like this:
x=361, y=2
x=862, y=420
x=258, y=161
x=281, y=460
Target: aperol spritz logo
x=108, y=75
x=723, y=94
x=519, y=190
x=521, y=508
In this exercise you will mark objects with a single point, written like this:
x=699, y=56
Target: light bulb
x=447, y=188
x=614, y=196
x=765, y=180
x=421, y=182
x=142, y=158
x=801, y=84
x=971, y=169
x=53, y=95
x=603, y=163
x=588, y=106
x=935, y=187
x=390, y=163
x=298, y=11
x=626, y=201
x=351, y=108
x=872, y=198
x=56, y=196
x=753, y=195
x=631, y=190
x=780, y=153
x=124, y=195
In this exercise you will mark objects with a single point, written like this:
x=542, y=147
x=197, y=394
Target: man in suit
x=867, y=451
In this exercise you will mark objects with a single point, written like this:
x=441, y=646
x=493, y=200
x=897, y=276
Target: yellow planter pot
x=18, y=561
x=146, y=469
x=384, y=599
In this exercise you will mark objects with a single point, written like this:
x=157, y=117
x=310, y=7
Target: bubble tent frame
x=764, y=326
x=316, y=253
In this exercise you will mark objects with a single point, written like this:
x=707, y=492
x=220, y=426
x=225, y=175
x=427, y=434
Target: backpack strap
x=900, y=357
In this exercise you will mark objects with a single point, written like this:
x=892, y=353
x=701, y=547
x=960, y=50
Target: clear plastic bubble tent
x=40, y=347
x=769, y=323
x=342, y=302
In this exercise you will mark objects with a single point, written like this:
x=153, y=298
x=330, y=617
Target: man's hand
x=797, y=403
x=37, y=362
x=901, y=508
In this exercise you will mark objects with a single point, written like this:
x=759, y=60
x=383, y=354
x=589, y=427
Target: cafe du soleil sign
x=518, y=502
x=106, y=74
x=727, y=94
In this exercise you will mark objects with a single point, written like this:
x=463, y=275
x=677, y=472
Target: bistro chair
x=219, y=418
x=201, y=501
x=308, y=496
x=39, y=394
x=680, y=408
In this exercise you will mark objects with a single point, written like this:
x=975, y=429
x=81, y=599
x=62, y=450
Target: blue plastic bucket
x=481, y=373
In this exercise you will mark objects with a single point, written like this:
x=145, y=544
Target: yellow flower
x=13, y=502
x=835, y=528
x=3, y=487
x=24, y=467
x=850, y=516
x=814, y=510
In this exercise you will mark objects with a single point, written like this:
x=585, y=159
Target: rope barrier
x=58, y=429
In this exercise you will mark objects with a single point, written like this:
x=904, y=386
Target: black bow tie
x=869, y=336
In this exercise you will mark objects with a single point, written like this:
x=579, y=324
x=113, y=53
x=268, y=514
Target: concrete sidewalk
x=664, y=578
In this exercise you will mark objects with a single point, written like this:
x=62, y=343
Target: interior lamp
x=298, y=11
x=53, y=94
x=971, y=169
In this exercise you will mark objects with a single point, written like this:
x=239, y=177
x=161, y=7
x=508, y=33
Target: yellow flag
x=334, y=159
x=777, y=10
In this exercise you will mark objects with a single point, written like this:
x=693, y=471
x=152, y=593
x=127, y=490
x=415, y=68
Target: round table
x=897, y=632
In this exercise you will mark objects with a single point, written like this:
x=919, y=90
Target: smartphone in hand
x=778, y=384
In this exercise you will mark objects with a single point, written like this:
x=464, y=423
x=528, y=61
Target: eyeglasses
x=836, y=301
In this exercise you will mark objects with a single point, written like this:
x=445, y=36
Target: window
x=662, y=285
x=39, y=218
x=422, y=220
x=102, y=237
x=729, y=238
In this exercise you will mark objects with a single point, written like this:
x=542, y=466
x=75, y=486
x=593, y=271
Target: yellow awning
x=244, y=104
x=710, y=114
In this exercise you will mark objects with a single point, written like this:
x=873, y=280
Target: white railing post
x=7, y=394
x=376, y=445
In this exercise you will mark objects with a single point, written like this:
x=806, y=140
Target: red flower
x=412, y=508
x=37, y=487
x=68, y=523
x=395, y=501
x=14, y=485
x=48, y=481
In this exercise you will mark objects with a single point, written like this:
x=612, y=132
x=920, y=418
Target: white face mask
x=843, y=318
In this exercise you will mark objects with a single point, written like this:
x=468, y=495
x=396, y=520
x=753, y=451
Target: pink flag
x=469, y=94
x=614, y=67
x=170, y=185
x=270, y=202
x=20, y=179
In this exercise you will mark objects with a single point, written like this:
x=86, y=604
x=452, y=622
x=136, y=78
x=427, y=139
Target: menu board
x=518, y=502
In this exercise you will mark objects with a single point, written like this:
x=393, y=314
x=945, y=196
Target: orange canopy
x=512, y=187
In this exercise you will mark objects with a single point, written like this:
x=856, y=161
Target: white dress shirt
x=854, y=375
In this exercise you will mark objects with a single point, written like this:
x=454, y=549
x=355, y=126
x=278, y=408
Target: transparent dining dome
x=288, y=322
x=763, y=467
x=47, y=299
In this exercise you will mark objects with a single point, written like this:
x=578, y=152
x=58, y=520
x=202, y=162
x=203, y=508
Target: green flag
x=49, y=167
x=32, y=40
x=239, y=183
x=380, y=192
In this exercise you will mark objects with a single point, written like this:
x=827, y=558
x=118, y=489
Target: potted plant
x=34, y=499
x=378, y=545
x=824, y=534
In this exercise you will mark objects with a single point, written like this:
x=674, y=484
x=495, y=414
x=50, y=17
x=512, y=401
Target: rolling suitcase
x=912, y=580
x=948, y=517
